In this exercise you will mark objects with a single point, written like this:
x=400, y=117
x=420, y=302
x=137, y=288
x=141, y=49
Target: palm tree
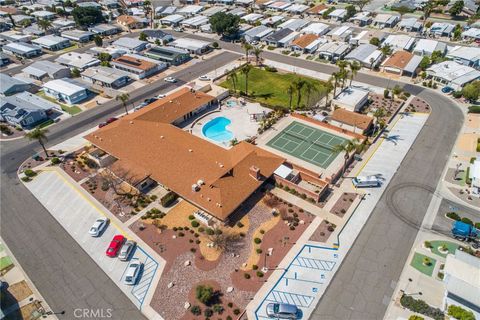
x=386, y=50
x=378, y=115
x=123, y=98
x=354, y=68
x=40, y=135
x=310, y=88
x=246, y=70
x=147, y=7
x=12, y=21
x=44, y=24
x=427, y=9
x=343, y=74
x=232, y=77
x=298, y=84
x=257, y=52
x=342, y=64
x=328, y=89
x=347, y=147
x=290, y=91
x=247, y=47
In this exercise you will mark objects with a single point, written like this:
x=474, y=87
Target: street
x=69, y=279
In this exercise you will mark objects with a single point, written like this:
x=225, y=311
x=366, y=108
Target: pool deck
x=242, y=127
x=332, y=168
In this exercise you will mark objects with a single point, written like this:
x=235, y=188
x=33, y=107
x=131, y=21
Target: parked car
x=133, y=272
x=98, y=226
x=178, y=29
x=204, y=78
x=150, y=100
x=110, y=120
x=170, y=79
x=365, y=182
x=127, y=250
x=115, y=245
x=282, y=311
x=447, y=90
x=161, y=96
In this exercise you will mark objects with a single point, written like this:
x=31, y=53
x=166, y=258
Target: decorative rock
x=269, y=251
x=174, y=237
x=186, y=305
x=301, y=222
x=170, y=285
x=187, y=263
x=244, y=265
x=264, y=269
x=229, y=289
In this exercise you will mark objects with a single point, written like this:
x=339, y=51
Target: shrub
x=246, y=275
x=259, y=250
x=168, y=199
x=191, y=217
x=209, y=231
x=195, y=224
x=239, y=224
x=421, y=307
x=257, y=240
x=196, y=310
x=215, y=45
x=467, y=221
x=428, y=244
x=218, y=308
x=55, y=160
x=201, y=229
x=193, y=250
x=460, y=313
x=474, y=109
x=236, y=312
x=259, y=274
x=26, y=179
x=262, y=231
x=228, y=318
x=415, y=317
x=457, y=95
x=30, y=173
x=208, y=312
x=270, y=69
x=181, y=234
x=477, y=225
x=204, y=294
x=453, y=215
x=254, y=267
x=230, y=305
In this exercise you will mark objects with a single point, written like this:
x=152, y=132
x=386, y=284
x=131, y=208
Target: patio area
x=243, y=122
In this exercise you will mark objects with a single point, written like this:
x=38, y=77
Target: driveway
x=76, y=213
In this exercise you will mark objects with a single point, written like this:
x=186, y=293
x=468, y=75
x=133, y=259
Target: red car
x=115, y=245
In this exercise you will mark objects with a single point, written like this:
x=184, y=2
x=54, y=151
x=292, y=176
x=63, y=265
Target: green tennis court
x=307, y=143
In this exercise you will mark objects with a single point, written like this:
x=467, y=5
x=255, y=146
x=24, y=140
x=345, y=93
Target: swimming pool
x=231, y=103
x=216, y=129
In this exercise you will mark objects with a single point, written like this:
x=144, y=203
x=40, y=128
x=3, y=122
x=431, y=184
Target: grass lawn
x=68, y=109
x=450, y=245
x=5, y=262
x=271, y=88
x=417, y=263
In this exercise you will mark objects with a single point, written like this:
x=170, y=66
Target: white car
x=99, y=225
x=126, y=250
x=133, y=272
x=178, y=29
x=170, y=79
x=160, y=96
x=204, y=78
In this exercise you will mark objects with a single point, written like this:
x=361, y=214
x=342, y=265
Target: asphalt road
x=63, y=273
x=363, y=285
x=443, y=224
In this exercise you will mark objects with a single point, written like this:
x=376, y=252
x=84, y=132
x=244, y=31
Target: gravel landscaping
x=342, y=205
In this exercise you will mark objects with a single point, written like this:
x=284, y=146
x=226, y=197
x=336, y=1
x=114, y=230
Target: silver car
x=99, y=225
x=282, y=311
x=126, y=250
x=133, y=272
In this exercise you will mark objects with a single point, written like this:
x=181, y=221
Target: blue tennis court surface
x=303, y=281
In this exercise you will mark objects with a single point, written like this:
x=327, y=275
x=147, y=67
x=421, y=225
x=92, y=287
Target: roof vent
x=195, y=187
x=200, y=182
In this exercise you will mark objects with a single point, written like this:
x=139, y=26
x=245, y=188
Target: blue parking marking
x=150, y=266
x=313, y=263
x=300, y=300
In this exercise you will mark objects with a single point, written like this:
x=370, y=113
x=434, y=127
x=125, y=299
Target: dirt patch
x=323, y=232
x=342, y=205
x=74, y=165
x=418, y=105
x=10, y=132
x=390, y=106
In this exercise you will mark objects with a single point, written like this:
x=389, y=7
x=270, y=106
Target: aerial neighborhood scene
x=240, y=159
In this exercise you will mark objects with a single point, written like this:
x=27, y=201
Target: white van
x=366, y=182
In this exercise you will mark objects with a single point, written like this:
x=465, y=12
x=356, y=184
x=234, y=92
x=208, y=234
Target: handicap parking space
x=303, y=281
x=77, y=214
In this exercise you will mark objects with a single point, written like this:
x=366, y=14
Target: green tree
x=328, y=90
x=402, y=10
x=348, y=147
x=351, y=11
x=310, y=88
x=375, y=41
x=44, y=24
x=362, y=3
x=472, y=91
x=425, y=63
x=233, y=78
x=225, y=24
x=142, y=36
x=427, y=10
x=148, y=9
x=457, y=32
x=204, y=294
x=40, y=135
x=378, y=115
x=456, y=8
x=124, y=99
x=386, y=50
x=247, y=47
x=290, y=91
x=257, y=52
x=298, y=84
x=460, y=313
x=98, y=40
x=246, y=70
x=87, y=16
x=105, y=63
x=104, y=56
x=75, y=73
x=437, y=56
x=354, y=68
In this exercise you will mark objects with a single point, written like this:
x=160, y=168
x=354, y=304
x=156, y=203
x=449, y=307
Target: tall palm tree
x=328, y=90
x=147, y=7
x=310, y=88
x=40, y=135
x=342, y=64
x=123, y=98
x=290, y=91
x=354, y=68
x=427, y=9
x=44, y=24
x=247, y=47
x=298, y=84
x=232, y=77
x=246, y=70
x=347, y=147
x=343, y=74
x=257, y=52
x=378, y=115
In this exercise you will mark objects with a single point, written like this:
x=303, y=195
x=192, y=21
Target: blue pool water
x=216, y=129
x=231, y=103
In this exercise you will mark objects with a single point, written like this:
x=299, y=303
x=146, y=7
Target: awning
x=283, y=171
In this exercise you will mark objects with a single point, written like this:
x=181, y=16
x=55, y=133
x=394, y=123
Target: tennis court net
x=322, y=145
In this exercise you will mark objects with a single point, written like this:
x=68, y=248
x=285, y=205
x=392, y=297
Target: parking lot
x=76, y=213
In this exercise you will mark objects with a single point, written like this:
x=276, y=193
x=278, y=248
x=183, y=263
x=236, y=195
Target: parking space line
x=303, y=280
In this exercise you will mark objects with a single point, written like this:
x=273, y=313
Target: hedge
x=454, y=216
x=460, y=313
x=168, y=199
x=474, y=109
x=420, y=306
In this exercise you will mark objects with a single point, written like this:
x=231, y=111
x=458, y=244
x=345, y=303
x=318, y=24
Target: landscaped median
x=276, y=89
